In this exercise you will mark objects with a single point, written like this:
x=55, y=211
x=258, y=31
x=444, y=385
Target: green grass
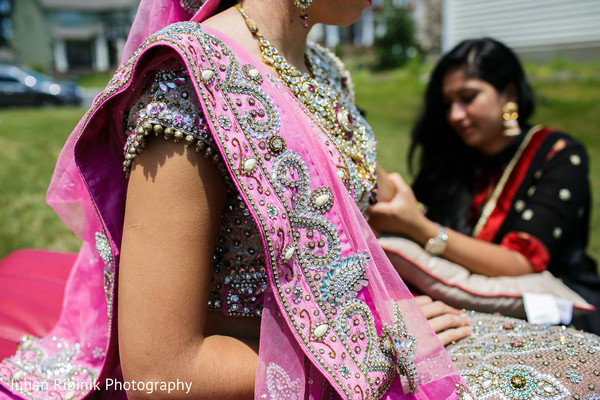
x=94, y=80
x=30, y=140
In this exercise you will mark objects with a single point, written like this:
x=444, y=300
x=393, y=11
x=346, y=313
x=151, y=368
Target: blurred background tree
x=395, y=40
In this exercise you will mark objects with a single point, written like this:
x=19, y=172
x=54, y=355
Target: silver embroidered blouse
x=169, y=107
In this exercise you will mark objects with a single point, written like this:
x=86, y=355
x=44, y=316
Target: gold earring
x=303, y=6
x=510, y=114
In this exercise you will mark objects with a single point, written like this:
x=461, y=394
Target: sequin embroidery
x=507, y=359
x=169, y=105
x=169, y=108
x=307, y=246
x=280, y=385
x=47, y=365
x=103, y=249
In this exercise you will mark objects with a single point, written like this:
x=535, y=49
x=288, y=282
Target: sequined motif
x=239, y=280
x=280, y=385
x=345, y=279
x=103, y=249
x=513, y=381
x=400, y=344
x=329, y=72
x=170, y=103
x=45, y=364
x=507, y=359
x=302, y=244
x=168, y=107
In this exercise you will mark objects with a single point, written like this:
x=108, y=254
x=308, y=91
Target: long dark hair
x=225, y=4
x=446, y=168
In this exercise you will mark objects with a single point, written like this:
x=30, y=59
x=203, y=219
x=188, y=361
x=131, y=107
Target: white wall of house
x=91, y=30
x=529, y=26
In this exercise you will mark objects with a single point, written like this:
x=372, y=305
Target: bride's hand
x=446, y=321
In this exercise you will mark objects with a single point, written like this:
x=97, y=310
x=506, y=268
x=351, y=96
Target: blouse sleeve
x=168, y=106
x=553, y=206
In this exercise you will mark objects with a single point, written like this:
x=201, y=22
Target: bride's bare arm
x=174, y=200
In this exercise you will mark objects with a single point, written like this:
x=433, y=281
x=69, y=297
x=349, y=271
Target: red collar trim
x=506, y=198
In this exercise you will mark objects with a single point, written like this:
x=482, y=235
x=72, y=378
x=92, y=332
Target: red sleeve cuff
x=531, y=247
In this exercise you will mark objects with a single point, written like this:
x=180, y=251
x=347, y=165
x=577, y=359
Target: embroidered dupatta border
x=250, y=165
x=247, y=158
x=243, y=147
x=498, y=215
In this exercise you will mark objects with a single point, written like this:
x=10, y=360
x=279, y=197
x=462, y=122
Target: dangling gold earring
x=510, y=114
x=303, y=6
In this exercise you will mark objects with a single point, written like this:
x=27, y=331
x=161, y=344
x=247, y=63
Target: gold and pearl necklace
x=323, y=102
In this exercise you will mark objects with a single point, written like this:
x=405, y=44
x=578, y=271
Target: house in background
x=539, y=30
x=427, y=15
x=71, y=35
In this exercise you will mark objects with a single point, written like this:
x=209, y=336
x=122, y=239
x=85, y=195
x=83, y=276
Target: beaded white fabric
x=507, y=358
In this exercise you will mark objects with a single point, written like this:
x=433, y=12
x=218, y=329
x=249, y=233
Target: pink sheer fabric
x=289, y=367
x=151, y=16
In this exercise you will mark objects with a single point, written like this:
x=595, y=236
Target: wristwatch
x=436, y=245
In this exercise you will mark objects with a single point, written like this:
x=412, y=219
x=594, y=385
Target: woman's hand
x=446, y=321
x=400, y=214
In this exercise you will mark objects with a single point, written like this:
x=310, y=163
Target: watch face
x=435, y=246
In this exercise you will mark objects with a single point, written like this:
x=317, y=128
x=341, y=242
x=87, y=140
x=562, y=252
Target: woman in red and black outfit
x=501, y=197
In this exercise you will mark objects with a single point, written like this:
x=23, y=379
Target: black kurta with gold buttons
x=543, y=211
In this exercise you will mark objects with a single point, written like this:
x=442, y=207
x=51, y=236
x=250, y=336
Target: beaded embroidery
x=329, y=72
x=344, y=280
x=239, y=279
x=507, y=358
x=341, y=279
x=262, y=162
x=328, y=96
x=103, y=249
x=399, y=343
x=279, y=384
x=44, y=366
x=513, y=381
x=169, y=104
x=463, y=392
x=168, y=108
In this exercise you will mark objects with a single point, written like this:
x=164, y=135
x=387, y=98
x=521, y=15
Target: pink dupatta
x=337, y=322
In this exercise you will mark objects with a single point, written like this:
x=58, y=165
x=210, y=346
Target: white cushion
x=456, y=286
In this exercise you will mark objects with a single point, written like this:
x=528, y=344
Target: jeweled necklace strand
x=318, y=99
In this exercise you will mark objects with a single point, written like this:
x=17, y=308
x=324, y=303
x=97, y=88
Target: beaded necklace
x=324, y=103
